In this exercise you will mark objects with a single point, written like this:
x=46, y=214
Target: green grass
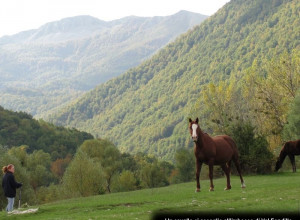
x=276, y=193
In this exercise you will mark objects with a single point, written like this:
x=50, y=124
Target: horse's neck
x=282, y=155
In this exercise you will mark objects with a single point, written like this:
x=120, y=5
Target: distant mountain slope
x=43, y=69
x=146, y=109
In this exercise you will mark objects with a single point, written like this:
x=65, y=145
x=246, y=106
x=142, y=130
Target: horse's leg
x=229, y=166
x=292, y=159
x=226, y=170
x=211, y=171
x=198, y=169
x=237, y=164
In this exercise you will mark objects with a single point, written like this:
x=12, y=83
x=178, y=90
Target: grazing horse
x=219, y=150
x=290, y=149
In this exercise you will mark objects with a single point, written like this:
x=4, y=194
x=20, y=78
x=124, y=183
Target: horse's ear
x=190, y=120
x=197, y=120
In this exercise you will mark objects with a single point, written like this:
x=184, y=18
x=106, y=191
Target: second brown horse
x=219, y=150
x=290, y=149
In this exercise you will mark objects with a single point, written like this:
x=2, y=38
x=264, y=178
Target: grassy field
x=276, y=193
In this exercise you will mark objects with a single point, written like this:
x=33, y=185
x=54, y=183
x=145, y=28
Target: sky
x=21, y=15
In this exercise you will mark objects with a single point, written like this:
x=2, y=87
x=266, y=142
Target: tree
x=84, y=176
x=128, y=162
x=272, y=86
x=255, y=155
x=221, y=104
x=38, y=157
x=291, y=130
x=184, y=162
x=152, y=176
x=20, y=153
x=38, y=166
x=59, y=166
x=39, y=176
x=167, y=168
x=50, y=193
x=106, y=154
x=126, y=181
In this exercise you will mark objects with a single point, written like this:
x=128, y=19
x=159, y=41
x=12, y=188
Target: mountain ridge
x=58, y=63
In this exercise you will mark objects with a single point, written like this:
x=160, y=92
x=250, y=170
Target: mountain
x=43, y=69
x=146, y=109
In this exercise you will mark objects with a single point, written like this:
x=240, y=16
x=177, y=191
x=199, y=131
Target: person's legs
x=10, y=205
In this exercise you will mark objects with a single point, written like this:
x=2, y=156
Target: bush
x=255, y=156
x=84, y=177
x=125, y=182
x=50, y=193
x=152, y=176
x=185, y=164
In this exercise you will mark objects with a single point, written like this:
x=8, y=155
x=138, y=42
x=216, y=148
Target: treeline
x=96, y=168
x=56, y=163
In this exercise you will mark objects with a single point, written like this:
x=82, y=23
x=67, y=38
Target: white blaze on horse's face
x=194, y=131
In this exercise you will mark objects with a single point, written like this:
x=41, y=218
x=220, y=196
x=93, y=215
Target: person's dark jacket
x=10, y=185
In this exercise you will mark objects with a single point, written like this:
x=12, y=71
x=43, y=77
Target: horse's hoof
x=211, y=189
x=243, y=185
x=197, y=190
x=227, y=188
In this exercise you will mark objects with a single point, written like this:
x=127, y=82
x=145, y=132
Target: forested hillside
x=45, y=68
x=20, y=129
x=242, y=46
x=51, y=160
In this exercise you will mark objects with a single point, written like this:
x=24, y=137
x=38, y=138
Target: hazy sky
x=20, y=15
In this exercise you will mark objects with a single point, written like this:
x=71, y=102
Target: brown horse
x=219, y=150
x=290, y=149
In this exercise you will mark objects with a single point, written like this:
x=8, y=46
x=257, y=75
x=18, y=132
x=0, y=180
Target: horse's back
x=225, y=147
x=225, y=141
x=292, y=147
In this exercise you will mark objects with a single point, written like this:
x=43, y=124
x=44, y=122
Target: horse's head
x=194, y=129
x=278, y=165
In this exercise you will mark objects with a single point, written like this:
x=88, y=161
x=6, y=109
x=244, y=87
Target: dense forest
x=19, y=128
x=147, y=108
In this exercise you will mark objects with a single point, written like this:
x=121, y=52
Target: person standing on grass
x=10, y=185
